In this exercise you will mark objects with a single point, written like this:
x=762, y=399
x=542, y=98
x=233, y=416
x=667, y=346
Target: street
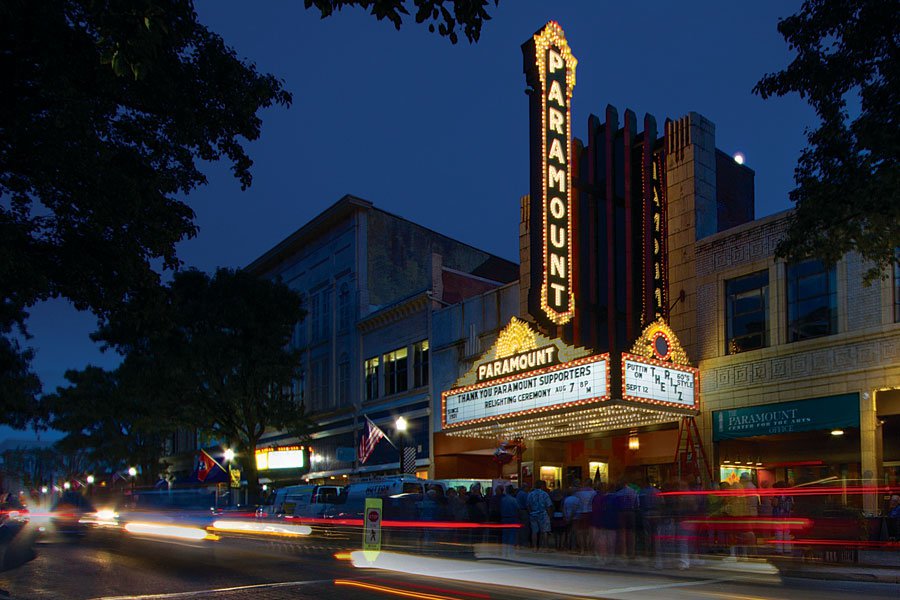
x=114, y=566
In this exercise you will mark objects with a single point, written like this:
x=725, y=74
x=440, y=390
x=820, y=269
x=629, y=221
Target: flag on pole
x=368, y=440
x=207, y=466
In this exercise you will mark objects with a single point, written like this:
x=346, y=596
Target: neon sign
x=556, y=70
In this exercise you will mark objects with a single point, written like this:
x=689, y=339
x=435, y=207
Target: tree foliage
x=106, y=110
x=445, y=16
x=847, y=66
x=113, y=417
x=217, y=349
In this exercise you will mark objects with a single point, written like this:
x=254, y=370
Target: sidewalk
x=887, y=569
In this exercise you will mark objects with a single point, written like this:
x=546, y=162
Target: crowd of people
x=676, y=524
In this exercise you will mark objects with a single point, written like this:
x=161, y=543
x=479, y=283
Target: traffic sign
x=372, y=528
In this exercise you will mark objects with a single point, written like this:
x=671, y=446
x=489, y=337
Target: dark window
x=318, y=385
x=344, y=307
x=897, y=292
x=420, y=363
x=396, y=371
x=321, y=314
x=746, y=312
x=812, y=300
x=372, y=378
x=343, y=380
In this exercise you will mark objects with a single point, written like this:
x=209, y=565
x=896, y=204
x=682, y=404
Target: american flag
x=368, y=441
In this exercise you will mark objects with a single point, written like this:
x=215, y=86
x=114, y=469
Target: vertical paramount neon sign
x=555, y=67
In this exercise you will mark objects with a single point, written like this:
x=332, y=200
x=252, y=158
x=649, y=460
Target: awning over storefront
x=814, y=414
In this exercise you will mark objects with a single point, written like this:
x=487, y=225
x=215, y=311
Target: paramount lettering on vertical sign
x=556, y=68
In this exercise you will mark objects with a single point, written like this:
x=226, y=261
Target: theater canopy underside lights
x=530, y=386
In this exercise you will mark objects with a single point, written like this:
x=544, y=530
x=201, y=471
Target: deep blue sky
x=438, y=133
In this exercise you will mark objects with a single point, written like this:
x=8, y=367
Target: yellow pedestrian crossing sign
x=372, y=528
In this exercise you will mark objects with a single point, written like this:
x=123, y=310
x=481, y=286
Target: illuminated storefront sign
x=649, y=380
x=569, y=384
x=556, y=69
x=815, y=414
x=280, y=457
x=525, y=361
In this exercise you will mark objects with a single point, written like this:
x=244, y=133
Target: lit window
x=396, y=371
x=812, y=300
x=420, y=363
x=372, y=378
x=746, y=312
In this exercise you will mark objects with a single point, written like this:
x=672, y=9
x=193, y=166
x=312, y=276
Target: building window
x=746, y=312
x=897, y=292
x=372, y=378
x=812, y=300
x=320, y=314
x=318, y=385
x=343, y=380
x=420, y=363
x=344, y=307
x=396, y=371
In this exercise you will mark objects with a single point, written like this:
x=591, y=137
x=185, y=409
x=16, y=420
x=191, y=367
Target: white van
x=399, y=494
x=302, y=500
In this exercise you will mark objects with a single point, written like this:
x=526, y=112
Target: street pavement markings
x=217, y=591
x=660, y=586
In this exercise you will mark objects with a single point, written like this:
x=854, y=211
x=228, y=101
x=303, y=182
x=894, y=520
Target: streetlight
x=90, y=479
x=401, y=426
x=229, y=456
x=132, y=472
x=66, y=485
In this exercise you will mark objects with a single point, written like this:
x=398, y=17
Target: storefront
x=799, y=442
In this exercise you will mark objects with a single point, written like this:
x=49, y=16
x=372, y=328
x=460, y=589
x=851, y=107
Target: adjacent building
x=369, y=281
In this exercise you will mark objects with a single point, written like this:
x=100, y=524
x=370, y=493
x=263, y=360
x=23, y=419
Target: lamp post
x=132, y=472
x=90, y=482
x=401, y=426
x=228, y=455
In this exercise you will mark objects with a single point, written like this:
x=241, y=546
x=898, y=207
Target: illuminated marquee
x=280, y=457
x=658, y=382
x=574, y=383
x=556, y=69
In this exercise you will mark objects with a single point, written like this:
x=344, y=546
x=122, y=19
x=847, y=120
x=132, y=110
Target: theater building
x=656, y=334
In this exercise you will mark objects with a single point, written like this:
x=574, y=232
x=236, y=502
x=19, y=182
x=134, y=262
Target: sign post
x=372, y=528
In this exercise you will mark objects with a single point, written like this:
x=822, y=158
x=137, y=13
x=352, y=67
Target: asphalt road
x=119, y=566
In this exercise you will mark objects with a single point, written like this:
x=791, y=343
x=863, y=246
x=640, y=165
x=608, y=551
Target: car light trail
x=261, y=528
x=390, y=590
x=166, y=530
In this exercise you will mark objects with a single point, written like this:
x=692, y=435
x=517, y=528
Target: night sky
x=438, y=133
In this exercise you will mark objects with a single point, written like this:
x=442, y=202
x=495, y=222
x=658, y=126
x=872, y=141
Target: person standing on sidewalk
x=524, y=519
x=585, y=495
x=539, y=509
x=509, y=515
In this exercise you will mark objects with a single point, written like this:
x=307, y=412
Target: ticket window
x=552, y=476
